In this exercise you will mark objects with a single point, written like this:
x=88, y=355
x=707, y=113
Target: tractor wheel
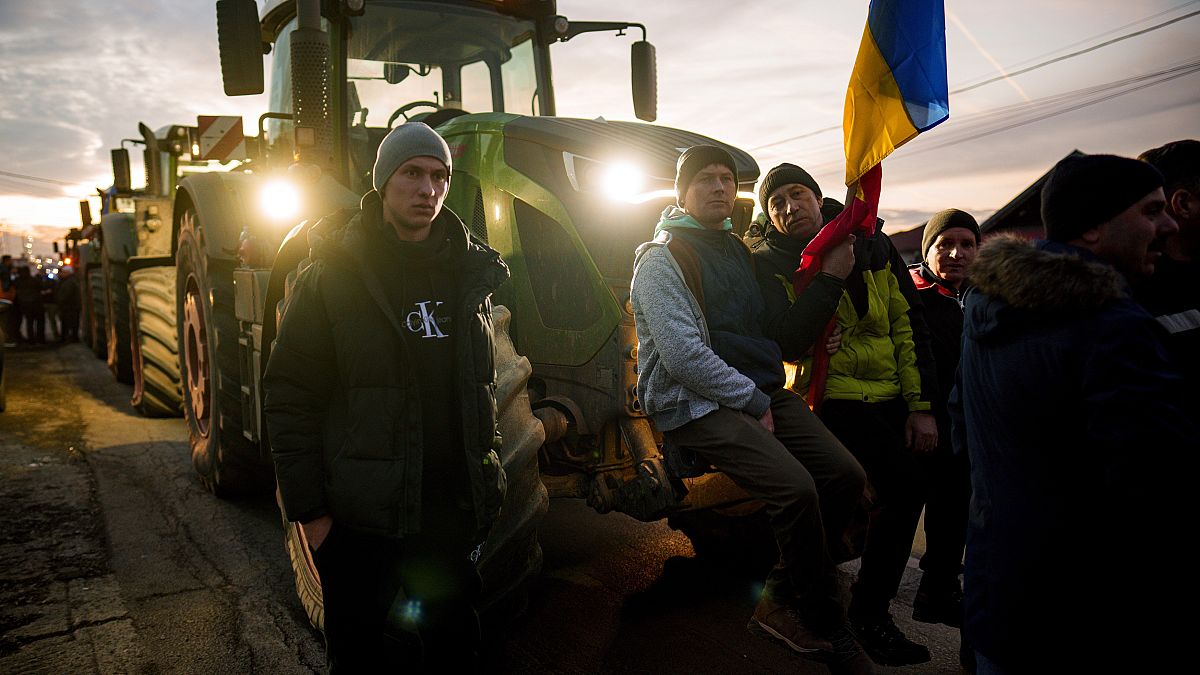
x=512, y=557
x=156, y=386
x=116, y=320
x=226, y=462
x=96, y=326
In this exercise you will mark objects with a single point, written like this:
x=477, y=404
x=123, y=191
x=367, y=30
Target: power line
x=1097, y=36
x=964, y=88
x=38, y=179
x=1081, y=52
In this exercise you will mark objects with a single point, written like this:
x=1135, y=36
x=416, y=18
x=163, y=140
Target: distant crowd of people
x=37, y=304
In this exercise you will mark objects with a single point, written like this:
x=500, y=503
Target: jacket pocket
x=376, y=422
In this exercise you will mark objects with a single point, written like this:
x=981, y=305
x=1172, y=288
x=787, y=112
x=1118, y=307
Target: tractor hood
x=655, y=149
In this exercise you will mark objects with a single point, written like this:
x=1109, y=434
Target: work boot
x=886, y=644
x=848, y=657
x=939, y=602
x=782, y=622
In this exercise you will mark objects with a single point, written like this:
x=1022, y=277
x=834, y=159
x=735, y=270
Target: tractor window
x=409, y=58
x=476, y=87
x=520, y=84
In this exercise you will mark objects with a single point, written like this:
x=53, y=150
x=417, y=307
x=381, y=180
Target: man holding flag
x=878, y=392
x=875, y=393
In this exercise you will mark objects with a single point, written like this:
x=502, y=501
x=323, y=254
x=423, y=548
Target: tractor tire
x=157, y=391
x=116, y=320
x=227, y=463
x=96, y=326
x=512, y=556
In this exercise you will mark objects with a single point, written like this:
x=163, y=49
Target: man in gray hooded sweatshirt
x=713, y=384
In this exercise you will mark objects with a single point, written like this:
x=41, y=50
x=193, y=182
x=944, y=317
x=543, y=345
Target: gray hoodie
x=680, y=378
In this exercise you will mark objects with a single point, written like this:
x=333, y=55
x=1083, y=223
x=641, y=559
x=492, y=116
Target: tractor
x=565, y=202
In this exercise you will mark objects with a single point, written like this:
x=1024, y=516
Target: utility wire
x=1081, y=52
x=37, y=179
x=1117, y=29
x=964, y=88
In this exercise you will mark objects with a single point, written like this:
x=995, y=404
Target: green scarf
x=673, y=217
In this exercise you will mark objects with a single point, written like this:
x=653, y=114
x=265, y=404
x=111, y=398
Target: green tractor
x=565, y=201
x=133, y=287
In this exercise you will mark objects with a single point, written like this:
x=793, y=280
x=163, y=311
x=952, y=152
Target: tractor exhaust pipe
x=310, y=86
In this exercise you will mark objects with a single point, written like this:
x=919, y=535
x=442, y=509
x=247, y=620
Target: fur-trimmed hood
x=1014, y=277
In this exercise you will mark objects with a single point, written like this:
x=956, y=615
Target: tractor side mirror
x=120, y=162
x=85, y=212
x=645, y=81
x=240, y=40
x=743, y=211
x=395, y=73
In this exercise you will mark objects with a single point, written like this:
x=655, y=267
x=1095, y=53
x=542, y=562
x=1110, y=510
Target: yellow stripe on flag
x=876, y=122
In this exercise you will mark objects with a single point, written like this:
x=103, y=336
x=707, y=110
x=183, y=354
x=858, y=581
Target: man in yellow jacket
x=877, y=400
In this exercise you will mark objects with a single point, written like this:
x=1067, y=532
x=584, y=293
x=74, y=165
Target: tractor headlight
x=619, y=181
x=279, y=200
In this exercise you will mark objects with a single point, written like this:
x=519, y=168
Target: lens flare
x=279, y=200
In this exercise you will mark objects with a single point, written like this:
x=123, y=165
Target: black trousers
x=874, y=434
x=398, y=604
x=809, y=482
x=947, y=500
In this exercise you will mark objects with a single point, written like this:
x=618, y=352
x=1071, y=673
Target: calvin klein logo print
x=422, y=320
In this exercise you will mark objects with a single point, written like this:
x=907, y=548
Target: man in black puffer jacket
x=382, y=416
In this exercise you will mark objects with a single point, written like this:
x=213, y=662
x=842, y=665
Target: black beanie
x=1086, y=191
x=693, y=160
x=944, y=220
x=785, y=174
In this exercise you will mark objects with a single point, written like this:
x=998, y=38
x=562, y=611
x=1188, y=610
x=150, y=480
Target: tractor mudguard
x=218, y=200
x=120, y=236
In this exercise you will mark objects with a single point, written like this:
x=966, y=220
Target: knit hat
x=944, y=220
x=693, y=160
x=1086, y=191
x=785, y=174
x=411, y=139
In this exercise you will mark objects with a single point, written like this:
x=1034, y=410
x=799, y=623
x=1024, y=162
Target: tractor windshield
x=409, y=58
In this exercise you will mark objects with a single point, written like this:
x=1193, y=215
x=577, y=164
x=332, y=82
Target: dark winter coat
x=944, y=315
x=1069, y=411
x=343, y=411
x=795, y=323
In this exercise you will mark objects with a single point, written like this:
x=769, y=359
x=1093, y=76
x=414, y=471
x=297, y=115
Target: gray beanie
x=411, y=139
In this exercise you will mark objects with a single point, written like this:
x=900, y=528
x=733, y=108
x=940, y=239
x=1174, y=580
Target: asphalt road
x=113, y=559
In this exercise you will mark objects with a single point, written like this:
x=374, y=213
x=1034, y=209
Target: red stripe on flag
x=858, y=218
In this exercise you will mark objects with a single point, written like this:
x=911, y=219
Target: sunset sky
x=78, y=76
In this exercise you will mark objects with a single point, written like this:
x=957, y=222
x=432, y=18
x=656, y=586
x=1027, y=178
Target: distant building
x=1022, y=215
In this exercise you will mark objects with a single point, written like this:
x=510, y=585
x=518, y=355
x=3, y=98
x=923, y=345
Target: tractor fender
x=219, y=200
x=119, y=236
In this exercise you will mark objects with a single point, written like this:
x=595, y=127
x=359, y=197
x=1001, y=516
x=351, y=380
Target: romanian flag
x=898, y=87
x=897, y=90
